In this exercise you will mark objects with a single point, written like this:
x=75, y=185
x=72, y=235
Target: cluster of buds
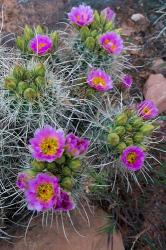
x=55, y=166
x=129, y=129
x=65, y=169
x=96, y=29
x=24, y=83
x=37, y=41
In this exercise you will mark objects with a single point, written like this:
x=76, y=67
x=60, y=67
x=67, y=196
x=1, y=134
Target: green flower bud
x=39, y=70
x=67, y=183
x=120, y=130
x=121, y=146
x=28, y=33
x=30, y=172
x=10, y=83
x=30, y=94
x=20, y=43
x=84, y=32
x=147, y=129
x=66, y=171
x=22, y=86
x=75, y=164
x=61, y=160
x=96, y=17
x=138, y=137
x=40, y=81
x=102, y=20
x=121, y=119
x=51, y=166
x=54, y=37
x=90, y=43
x=39, y=30
x=129, y=128
x=19, y=72
x=38, y=165
x=137, y=122
x=108, y=26
x=113, y=139
x=94, y=33
x=129, y=112
x=129, y=141
x=90, y=92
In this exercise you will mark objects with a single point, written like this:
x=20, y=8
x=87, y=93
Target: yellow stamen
x=99, y=81
x=131, y=157
x=49, y=146
x=45, y=192
x=147, y=111
x=41, y=45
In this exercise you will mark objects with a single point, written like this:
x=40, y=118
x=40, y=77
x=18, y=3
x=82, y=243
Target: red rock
x=53, y=238
x=159, y=66
x=155, y=89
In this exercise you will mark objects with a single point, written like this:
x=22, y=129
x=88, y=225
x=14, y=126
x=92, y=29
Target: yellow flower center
x=131, y=157
x=49, y=146
x=40, y=45
x=147, y=111
x=112, y=46
x=99, y=81
x=45, y=192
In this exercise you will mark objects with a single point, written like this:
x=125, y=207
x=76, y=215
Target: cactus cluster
x=129, y=129
x=25, y=83
x=73, y=96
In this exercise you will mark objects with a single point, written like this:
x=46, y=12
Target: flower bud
x=94, y=33
x=97, y=17
x=22, y=86
x=147, y=129
x=129, y=128
x=28, y=33
x=138, y=137
x=40, y=81
x=113, y=139
x=39, y=70
x=121, y=119
x=129, y=141
x=61, y=160
x=108, y=26
x=19, y=72
x=66, y=171
x=20, y=43
x=67, y=183
x=51, y=166
x=38, y=166
x=84, y=32
x=121, y=146
x=10, y=83
x=120, y=130
x=54, y=38
x=75, y=164
x=90, y=43
x=144, y=148
x=129, y=112
x=39, y=30
x=30, y=94
x=137, y=122
x=30, y=172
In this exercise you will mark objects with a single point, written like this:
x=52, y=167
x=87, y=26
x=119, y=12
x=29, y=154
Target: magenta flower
x=43, y=192
x=127, y=81
x=147, y=110
x=47, y=144
x=111, y=42
x=41, y=44
x=22, y=180
x=99, y=80
x=76, y=146
x=64, y=203
x=81, y=15
x=108, y=13
x=133, y=158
